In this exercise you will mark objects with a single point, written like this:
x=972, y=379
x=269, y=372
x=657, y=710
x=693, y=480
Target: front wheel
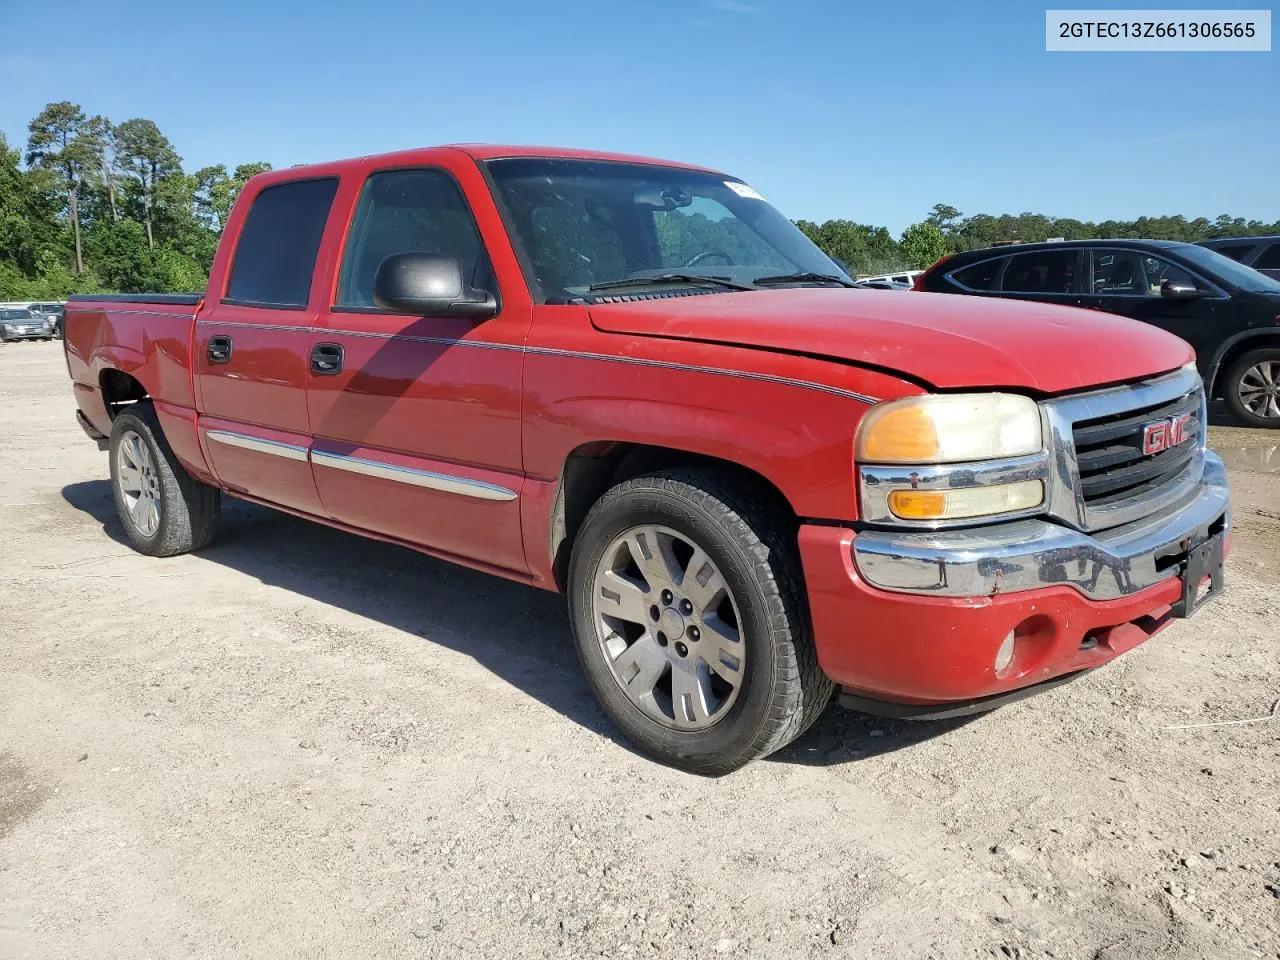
x=691, y=622
x=165, y=511
x=1253, y=388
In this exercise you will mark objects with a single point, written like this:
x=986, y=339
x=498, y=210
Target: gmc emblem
x=1164, y=434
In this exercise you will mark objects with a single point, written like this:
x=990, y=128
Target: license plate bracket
x=1205, y=560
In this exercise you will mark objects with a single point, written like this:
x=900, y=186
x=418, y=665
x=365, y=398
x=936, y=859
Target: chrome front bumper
x=1032, y=554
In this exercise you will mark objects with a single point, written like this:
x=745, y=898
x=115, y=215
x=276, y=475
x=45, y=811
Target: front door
x=251, y=348
x=416, y=420
x=1127, y=282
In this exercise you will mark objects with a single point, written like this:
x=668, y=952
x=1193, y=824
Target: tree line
x=93, y=206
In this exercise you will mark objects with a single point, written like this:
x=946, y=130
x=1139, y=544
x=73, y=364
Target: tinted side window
x=276, y=254
x=981, y=276
x=409, y=211
x=1269, y=259
x=1043, y=271
x=1236, y=251
x=1159, y=270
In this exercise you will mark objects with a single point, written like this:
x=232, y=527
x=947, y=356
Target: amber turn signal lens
x=917, y=504
x=957, y=504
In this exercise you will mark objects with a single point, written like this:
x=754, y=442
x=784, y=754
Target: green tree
x=147, y=157
x=216, y=191
x=63, y=141
x=103, y=137
x=923, y=245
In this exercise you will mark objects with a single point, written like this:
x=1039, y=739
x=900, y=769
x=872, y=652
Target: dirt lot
x=303, y=744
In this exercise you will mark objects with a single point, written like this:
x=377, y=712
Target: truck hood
x=945, y=340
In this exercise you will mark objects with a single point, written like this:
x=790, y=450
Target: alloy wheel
x=1259, y=389
x=139, y=483
x=668, y=626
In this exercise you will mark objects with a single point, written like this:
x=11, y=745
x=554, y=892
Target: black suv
x=1261, y=253
x=1228, y=312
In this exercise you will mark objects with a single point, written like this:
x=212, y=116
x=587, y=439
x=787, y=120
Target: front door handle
x=219, y=349
x=326, y=359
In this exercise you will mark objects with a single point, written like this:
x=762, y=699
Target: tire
x=171, y=512
x=778, y=689
x=1247, y=392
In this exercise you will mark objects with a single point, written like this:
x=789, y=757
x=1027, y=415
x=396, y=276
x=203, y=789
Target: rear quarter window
x=980, y=276
x=1269, y=259
x=276, y=253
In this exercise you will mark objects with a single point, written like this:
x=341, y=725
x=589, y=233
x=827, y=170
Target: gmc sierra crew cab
x=638, y=383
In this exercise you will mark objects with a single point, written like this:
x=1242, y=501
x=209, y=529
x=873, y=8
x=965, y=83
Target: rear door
x=1126, y=281
x=251, y=348
x=1048, y=276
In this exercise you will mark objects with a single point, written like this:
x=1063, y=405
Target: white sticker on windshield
x=742, y=190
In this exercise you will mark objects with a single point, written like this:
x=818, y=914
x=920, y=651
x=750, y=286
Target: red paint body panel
x=949, y=342
x=907, y=648
x=774, y=381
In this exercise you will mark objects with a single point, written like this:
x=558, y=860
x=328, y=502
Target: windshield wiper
x=667, y=278
x=803, y=277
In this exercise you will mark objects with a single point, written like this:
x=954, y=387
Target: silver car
x=24, y=325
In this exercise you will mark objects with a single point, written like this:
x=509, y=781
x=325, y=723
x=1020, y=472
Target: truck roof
x=477, y=151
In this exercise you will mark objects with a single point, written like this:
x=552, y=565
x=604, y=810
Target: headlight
x=942, y=458
x=950, y=428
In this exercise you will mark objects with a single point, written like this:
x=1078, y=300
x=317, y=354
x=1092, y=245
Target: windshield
x=1236, y=274
x=584, y=222
x=15, y=315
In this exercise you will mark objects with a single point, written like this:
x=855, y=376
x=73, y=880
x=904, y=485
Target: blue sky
x=830, y=108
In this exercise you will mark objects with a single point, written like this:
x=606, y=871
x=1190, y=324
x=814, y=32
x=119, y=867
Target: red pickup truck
x=638, y=383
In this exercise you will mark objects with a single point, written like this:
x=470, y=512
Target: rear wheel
x=690, y=619
x=165, y=511
x=1253, y=387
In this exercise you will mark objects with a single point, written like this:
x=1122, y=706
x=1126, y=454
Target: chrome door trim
x=290, y=451
x=478, y=489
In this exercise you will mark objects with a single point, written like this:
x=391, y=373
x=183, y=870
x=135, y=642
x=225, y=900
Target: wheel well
x=1234, y=353
x=119, y=390
x=593, y=468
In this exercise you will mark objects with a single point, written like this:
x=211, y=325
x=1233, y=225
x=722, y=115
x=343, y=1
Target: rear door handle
x=219, y=349
x=326, y=359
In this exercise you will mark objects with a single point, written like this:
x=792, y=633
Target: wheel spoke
x=690, y=691
x=651, y=552
x=702, y=582
x=1273, y=406
x=640, y=667
x=130, y=478
x=140, y=511
x=721, y=647
x=622, y=598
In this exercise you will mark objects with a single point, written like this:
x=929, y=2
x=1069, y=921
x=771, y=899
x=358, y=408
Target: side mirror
x=1172, y=290
x=429, y=285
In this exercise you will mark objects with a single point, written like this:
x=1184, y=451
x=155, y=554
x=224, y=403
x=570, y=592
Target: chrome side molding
x=276, y=448
x=478, y=489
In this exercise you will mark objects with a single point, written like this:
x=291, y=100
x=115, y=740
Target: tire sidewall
x=734, y=734
x=1232, y=391
x=126, y=423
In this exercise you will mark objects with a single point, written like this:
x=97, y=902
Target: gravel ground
x=299, y=743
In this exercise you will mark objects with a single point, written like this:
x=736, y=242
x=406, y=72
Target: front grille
x=1109, y=451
